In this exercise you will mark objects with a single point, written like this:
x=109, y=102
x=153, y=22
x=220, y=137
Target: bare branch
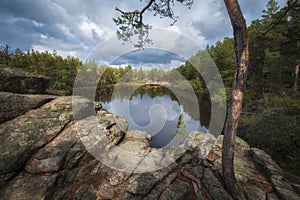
x=147, y=6
x=117, y=9
x=136, y=11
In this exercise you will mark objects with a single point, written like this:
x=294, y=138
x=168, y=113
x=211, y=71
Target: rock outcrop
x=19, y=81
x=46, y=154
x=44, y=157
x=13, y=105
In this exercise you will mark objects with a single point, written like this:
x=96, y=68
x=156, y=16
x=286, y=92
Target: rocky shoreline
x=43, y=156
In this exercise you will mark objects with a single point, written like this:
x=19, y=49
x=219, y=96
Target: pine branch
x=276, y=22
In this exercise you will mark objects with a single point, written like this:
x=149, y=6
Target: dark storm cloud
x=148, y=56
x=17, y=36
x=40, y=11
x=75, y=27
x=214, y=23
x=25, y=21
x=46, y=25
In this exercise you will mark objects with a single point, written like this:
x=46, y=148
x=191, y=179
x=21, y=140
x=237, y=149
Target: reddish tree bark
x=241, y=50
x=296, y=78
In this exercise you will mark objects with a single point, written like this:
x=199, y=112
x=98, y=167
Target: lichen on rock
x=46, y=154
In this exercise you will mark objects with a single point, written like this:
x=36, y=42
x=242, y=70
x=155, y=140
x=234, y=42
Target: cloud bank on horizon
x=74, y=28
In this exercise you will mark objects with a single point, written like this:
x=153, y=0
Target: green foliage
x=5, y=55
x=270, y=118
x=181, y=126
x=197, y=85
x=276, y=131
x=272, y=108
x=61, y=71
x=224, y=56
x=131, y=27
x=272, y=9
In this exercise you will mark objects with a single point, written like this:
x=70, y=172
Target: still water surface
x=155, y=111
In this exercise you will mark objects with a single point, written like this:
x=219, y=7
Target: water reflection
x=154, y=110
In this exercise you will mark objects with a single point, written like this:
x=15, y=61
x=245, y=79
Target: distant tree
x=268, y=15
x=293, y=40
x=257, y=58
x=61, y=71
x=141, y=74
x=274, y=47
x=18, y=59
x=223, y=55
x=5, y=55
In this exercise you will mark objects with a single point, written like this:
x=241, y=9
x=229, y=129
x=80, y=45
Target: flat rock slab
x=17, y=80
x=46, y=154
x=24, y=135
x=13, y=105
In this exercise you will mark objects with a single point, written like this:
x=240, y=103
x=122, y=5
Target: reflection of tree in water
x=154, y=92
x=106, y=95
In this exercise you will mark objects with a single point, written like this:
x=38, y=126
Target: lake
x=157, y=111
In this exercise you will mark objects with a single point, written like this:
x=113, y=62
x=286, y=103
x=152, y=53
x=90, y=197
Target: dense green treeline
x=108, y=75
x=61, y=71
x=271, y=109
x=272, y=93
x=271, y=113
x=274, y=57
x=275, y=53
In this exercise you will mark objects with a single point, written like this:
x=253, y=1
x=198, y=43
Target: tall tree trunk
x=296, y=78
x=241, y=50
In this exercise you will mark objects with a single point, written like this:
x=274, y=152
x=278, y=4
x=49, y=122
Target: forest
x=271, y=113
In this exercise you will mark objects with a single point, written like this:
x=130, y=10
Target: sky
x=76, y=27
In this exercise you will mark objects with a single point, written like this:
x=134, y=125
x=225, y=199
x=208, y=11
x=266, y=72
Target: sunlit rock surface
x=46, y=154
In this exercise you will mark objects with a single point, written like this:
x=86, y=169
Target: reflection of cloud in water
x=158, y=116
x=118, y=106
x=135, y=102
x=139, y=109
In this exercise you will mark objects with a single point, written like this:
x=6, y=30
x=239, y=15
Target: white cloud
x=91, y=30
x=44, y=36
x=79, y=26
x=66, y=30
